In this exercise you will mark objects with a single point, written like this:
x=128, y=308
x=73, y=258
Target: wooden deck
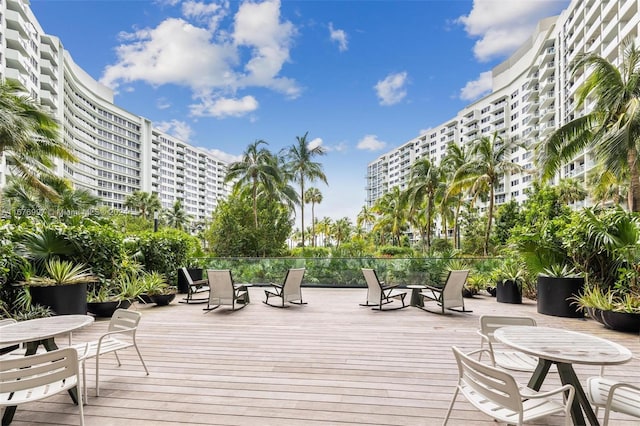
x=330, y=362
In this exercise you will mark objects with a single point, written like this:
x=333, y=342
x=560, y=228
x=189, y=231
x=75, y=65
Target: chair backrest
x=452, y=291
x=490, y=383
x=187, y=275
x=490, y=323
x=123, y=319
x=29, y=372
x=374, y=288
x=221, y=290
x=291, y=286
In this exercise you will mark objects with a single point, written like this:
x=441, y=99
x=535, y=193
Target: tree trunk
x=313, y=225
x=302, y=206
x=633, y=198
x=489, y=220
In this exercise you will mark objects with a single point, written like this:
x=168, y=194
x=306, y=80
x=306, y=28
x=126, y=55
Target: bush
x=165, y=251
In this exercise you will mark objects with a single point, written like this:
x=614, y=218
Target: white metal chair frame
x=223, y=291
x=509, y=359
x=289, y=291
x=379, y=293
x=450, y=295
x=613, y=395
x=194, y=287
x=496, y=393
x=35, y=377
x=121, y=335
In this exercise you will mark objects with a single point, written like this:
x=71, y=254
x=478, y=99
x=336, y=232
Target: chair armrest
x=531, y=394
x=201, y=282
x=434, y=288
x=618, y=386
x=388, y=286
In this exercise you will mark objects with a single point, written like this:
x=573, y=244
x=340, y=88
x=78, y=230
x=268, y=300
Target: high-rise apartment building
x=119, y=152
x=533, y=93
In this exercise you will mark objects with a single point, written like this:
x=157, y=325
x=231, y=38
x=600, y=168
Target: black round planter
x=61, y=299
x=555, y=294
x=162, y=299
x=621, y=321
x=183, y=284
x=106, y=309
x=508, y=292
x=595, y=314
x=145, y=298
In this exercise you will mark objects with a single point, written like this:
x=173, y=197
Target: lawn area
x=325, y=363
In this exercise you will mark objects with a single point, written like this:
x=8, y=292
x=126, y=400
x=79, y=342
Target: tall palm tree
x=177, y=216
x=612, y=129
x=300, y=163
x=365, y=217
x=489, y=163
x=605, y=187
x=258, y=168
x=425, y=183
x=324, y=227
x=341, y=230
x=313, y=196
x=571, y=191
x=143, y=202
x=29, y=137
x=456, y=156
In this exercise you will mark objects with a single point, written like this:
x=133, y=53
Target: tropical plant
x=143, y=202
x=455, y=158
x=29, y=137
x=392, y=220
x=611, y=130
x=490, y=162
x=425, y=184
x=177, y=216
x=510, y=270
x=299, y=162
x=60, y=272
x=559, y=270
x=313, y=196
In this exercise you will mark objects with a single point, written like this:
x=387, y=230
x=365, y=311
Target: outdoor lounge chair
x=496, y=393
x=194, y=287
x=223, y=291
x=289, y=290
x=450, y=295
x=379, y=294
x=121, y=334
x=32, y=378
x=509, y=359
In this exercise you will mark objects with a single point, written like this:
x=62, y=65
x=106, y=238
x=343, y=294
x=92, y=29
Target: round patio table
x=564, y=348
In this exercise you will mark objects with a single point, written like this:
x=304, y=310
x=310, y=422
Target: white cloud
x=163, y=103
x=224, y=107
x=502, y=26
x=476, y=88
x=340, y=37
x=392, y=90
x=315, y=143
x=215, y=64
x=176, y=128
x=371, y=143
x=229, y=158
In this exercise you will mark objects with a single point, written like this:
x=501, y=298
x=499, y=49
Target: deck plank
x=331, y=362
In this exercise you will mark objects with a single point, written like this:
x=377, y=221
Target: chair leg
x=453, y=401
x=135, y=345
x=118, y=359
x=97, y=374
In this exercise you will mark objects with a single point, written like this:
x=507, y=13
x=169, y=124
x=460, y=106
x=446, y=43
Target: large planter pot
x=106, y=309
x=596, y=314
x=621, y=321
x=555, y=295
x=183, y=284
x=508, y=291
x=162, y=299
x=61, y=299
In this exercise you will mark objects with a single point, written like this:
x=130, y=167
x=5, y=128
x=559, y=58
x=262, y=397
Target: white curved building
x=119, y=152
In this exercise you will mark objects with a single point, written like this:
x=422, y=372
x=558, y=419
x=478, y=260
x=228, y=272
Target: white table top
x=560, y=345
x=41, y=328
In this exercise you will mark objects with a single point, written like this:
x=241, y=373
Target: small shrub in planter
x=556, y=288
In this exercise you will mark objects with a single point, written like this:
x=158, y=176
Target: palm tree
x=341, y=230
x=605, y=186
x=489, y=163
x=324, y=227
x=29, y=137
x=455, y=157
x=300, y=163
x=313, y=196
x=143, y=202
x=611, y=130
x=365, y=217
x=571, y=191
x=393, y=214
x=425, y=183
x=177, y=216
x=258, y=168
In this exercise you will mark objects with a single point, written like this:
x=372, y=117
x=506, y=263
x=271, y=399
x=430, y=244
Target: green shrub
x=165, y=251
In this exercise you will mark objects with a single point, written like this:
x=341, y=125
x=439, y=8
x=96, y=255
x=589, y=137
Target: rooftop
x=326, y=363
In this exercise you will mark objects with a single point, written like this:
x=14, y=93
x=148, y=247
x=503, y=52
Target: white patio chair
x=32, y=378
x=500, y=356
x=194, y=287
x=289, y=291
x=613, y=395
x=449, y=296
x=379, y=293
x=222, y=291
x=496, y=393
x=120, y=335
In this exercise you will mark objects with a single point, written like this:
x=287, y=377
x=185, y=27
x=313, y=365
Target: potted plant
x=102, y=300
x=157, y=290
x=63, y=289
x=614, y=310
x=556, y=287
x=509, y=280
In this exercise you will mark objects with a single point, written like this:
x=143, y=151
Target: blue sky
x=361, y=77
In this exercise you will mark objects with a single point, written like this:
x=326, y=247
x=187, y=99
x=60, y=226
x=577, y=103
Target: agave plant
x=61, y=272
